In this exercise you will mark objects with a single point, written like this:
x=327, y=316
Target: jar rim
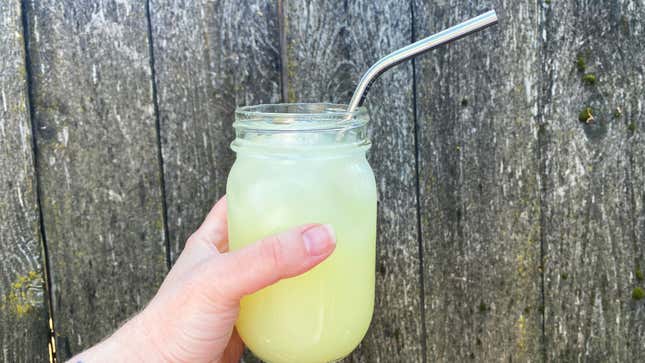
x=299, y=117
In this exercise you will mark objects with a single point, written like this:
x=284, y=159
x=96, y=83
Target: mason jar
x=298, y=164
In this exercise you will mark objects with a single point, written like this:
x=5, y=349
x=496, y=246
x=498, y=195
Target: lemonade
x=282, y=179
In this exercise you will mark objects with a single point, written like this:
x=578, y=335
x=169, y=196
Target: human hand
x=192, y=316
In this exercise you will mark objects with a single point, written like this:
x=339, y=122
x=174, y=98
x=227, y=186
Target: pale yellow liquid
x=322, y=315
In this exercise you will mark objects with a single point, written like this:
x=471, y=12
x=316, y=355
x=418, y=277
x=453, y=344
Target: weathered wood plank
x=479, y=186
x=23, y=310
x=210, y=56
x=98, y=165
x=594, y=180
x=330, y=44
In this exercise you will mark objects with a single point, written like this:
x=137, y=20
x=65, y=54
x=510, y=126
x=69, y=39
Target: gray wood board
x=479, y=184
x=329, y=46
x=594, y=180
x=23, y=308
x=209, y=58
x=98, y=165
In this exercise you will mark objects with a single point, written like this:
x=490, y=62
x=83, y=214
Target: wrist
x=130, y=343
x=135, y=339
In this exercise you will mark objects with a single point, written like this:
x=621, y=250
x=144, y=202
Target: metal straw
x=458, y=31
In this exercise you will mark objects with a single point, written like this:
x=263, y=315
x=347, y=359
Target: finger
x=210, y=239
x=277, y=257
x=214, y=229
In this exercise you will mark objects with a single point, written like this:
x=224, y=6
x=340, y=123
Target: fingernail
x=319, y=239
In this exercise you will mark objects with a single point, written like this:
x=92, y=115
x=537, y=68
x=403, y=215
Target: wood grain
x=479, y=184
x=532, y=221
x=97, y=152
x=23, y=309
x=594, y=180
x=210, y=57
x=329, y=45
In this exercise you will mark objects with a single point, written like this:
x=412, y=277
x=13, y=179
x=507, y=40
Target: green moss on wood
x=638, y=293
x=586, y=115
x=521, y=262
x=23, y=295
x=639, y=274
x=159, y=223
x=482, y=307
x=23, y=72
x=581, y=63
x=521, y=333
x=589, y=79
x=632, y=127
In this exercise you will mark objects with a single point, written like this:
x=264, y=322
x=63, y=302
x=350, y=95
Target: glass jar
x=297, y=164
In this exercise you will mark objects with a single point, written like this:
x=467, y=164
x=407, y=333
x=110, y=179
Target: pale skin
x=192, y=316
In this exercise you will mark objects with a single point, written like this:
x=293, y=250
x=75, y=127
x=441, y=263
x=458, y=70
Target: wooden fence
x=510, y=165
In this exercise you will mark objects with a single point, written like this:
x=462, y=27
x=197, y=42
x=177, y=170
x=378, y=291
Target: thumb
x=273, y=258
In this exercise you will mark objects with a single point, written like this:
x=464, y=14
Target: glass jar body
x=322, y=315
